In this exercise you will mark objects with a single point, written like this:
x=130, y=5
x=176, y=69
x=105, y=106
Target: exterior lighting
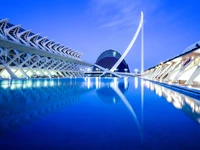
x=114, y=100
x=114, y=53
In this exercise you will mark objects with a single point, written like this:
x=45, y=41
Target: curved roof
x=109, y=53
x=108, y=58
x=194, y=45
x=19, y=35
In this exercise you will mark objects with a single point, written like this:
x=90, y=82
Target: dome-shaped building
x=108, y=58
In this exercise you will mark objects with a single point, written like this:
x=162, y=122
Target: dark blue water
x=93, y=113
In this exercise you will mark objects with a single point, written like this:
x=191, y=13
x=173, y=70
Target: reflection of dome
x=108, y=95
x=108, y=58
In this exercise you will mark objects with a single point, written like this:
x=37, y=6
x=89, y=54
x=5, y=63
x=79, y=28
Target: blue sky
x=92, y=26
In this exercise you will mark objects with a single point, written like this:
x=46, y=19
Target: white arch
x=130, y=45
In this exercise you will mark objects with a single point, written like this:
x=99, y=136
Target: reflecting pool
x=96, y=113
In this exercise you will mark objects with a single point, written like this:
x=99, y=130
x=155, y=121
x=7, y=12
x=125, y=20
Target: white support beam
x=129, y=46
x=193, y=76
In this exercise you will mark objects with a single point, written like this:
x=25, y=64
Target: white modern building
x=24, y=54
x=183, y=69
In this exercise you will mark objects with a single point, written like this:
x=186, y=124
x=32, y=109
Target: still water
x=95, y=113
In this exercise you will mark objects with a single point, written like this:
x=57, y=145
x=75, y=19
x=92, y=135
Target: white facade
x=24, y=54
x=182, y=70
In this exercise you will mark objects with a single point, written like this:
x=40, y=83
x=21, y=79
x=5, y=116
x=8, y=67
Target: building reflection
x=114, y=92
x=108, y=94
x=116, y=88
x=27, y=100
x=188, y=105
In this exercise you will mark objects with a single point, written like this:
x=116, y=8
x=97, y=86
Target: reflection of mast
x=142, y=108
x=125, y=101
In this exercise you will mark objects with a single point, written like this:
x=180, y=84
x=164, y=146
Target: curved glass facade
x=108, y=58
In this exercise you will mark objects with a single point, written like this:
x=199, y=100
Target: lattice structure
x=24, y=54
x=183, y=69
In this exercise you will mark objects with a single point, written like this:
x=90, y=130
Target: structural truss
x=183, y=69
x=24, y=54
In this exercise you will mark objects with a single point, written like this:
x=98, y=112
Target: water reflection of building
x=108, y=58
x=114, y=92
x=190, y=106
x=24, y=102
x=108, y=95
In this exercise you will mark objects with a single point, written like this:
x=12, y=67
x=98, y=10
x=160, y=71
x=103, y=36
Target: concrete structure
x=110, y=71
x=106, y=61
x=140, y=28
x=24, y=54
x=183, y=69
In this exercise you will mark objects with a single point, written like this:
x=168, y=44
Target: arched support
x=193, y=76
x=130, y=45
x=127, y=50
